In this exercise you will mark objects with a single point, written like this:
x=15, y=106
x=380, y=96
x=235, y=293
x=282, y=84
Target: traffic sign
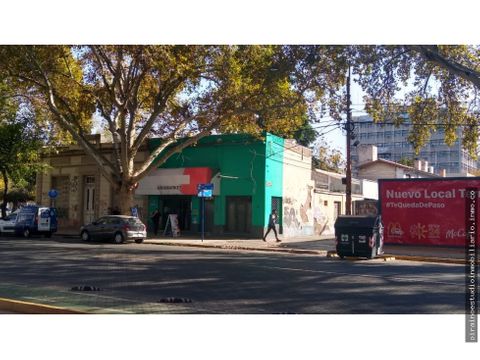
x=205, y=190
x=134, y=211
x=53, y=193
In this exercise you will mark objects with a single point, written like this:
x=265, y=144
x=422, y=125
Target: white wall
x=297, y=192
x=370, y=189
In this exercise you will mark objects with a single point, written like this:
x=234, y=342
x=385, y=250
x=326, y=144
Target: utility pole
x=348, y=182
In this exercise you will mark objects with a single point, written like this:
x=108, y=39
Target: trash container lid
x=356, y=221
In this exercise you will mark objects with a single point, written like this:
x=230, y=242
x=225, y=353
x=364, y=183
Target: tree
x=433, y=87
x=19, y=157
x=406, y=161
x=186, y=92
x=442, y=81
x=306, y=134
x=327, y=158
x=171, y=92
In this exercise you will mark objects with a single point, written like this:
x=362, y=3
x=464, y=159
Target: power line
x=329, y=131
x=327, y=126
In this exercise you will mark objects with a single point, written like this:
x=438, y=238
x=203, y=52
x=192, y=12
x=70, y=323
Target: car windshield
x=133, y=221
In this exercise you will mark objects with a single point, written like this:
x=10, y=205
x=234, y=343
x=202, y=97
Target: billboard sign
x=425, y=211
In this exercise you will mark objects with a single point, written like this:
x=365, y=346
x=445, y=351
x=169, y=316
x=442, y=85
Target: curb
x=328, y=254
x=392, y=257
x=429, y=259
x=70, y=236
x=234, y=247
x=24, y=307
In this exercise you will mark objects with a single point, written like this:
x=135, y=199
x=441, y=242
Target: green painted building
x=248, y=178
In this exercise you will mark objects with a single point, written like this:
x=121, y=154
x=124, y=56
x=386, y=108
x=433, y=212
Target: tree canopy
x=19, y=157
x=326, y=157
x=174, y=92
x=435, y=86
x=169, y=92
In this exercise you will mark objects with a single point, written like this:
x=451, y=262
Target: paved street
x=139, y=278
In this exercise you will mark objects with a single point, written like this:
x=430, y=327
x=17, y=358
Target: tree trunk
x=123, y=200
x=5, y=192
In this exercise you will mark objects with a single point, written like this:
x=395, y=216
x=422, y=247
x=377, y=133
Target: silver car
x=118, y=228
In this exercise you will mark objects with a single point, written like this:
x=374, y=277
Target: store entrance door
x=89, y=199
x=277, y=205
x=177, y=204
x=239, y=214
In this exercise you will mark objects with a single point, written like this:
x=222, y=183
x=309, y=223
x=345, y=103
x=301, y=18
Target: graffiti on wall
x=296, y=217
x=290, y=218
x=74, y=184
x=320, y=222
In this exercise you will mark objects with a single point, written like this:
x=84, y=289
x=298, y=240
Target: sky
x=252, y=22
x=335, y=136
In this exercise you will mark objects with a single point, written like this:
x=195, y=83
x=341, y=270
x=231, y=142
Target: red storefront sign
x=425, y=211
x=176, y=181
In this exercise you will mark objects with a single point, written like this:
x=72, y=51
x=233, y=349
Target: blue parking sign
x=134, y=211
x=205, y=190
x=53, y=193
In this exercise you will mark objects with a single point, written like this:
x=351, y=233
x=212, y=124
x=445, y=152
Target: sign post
x=134, y=211
x=52, y=194
x=204, y=190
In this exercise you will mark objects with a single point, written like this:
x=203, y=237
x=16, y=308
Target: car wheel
x=85, y=236
x=138, y=241
x=118, y=238
x=26, y=233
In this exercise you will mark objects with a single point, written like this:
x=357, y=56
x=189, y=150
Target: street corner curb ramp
x=25, y=307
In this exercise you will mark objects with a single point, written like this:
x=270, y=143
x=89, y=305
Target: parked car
x=7, y=224
x=35, y=219
x=118, y=228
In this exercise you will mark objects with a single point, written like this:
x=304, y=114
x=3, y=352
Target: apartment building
x=392, y=145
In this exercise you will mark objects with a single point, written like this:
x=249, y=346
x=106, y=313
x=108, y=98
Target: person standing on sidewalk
x=272, y=220
x=155, y=220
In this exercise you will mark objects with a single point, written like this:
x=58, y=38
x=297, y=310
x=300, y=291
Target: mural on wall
x=320, y=222
x=296, y=217
x=305, y=207
x=290, y=218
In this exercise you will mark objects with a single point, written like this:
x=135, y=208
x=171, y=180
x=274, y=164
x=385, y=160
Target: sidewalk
x=318, y=245
x=322, y=246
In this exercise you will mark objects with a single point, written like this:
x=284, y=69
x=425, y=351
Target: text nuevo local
x=426, y=194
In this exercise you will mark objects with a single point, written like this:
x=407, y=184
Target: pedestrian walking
x=272, y=220
x=155, y=220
